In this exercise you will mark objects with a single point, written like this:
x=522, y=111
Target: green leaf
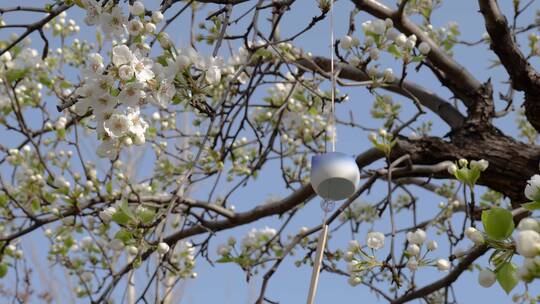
x=507, y=276
x=34, y=204
x=393, y=49
x=14, y=75
x=3, y=199
x=531, y=206
x=498, y=223
x=462, y=174
x=225, y=259
x=108, y=187
x=121, y=217
x=417, y=58
x=3, y=270
x=474, y=175
x=147, y=215
x=123, y=235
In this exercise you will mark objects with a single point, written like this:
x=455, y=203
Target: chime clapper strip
x=317, y=265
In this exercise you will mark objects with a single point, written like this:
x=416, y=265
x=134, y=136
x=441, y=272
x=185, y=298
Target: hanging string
x=332, y=79
x=326, y=205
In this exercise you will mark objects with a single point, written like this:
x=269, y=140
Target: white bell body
x=334, y=176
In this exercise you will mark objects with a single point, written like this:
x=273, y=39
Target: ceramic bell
x=334, y=175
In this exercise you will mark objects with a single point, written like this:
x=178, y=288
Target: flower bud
x=137, y=8
x=527, y=243
x=443, y=265
x=417, y=237
x=424, y=48
x=162, y=248
x=346, y=42
x=474, y=235
x=486, y=277
x=157, y=17
x=432, y=245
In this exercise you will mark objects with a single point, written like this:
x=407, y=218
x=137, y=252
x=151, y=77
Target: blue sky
x=226, y=283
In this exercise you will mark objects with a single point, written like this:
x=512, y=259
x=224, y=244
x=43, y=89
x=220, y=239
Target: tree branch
x=474, y=94
x=457, y=271
x=430, y=100
x=524, y=76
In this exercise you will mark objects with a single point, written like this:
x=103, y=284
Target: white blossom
x=374, y=53
x=375, y=240
x=401, y=40
x=388, y=75
x=108, y=148
x=378, y=26
x=116, y=245
x=346, y=42
x=424, y=48
x=353, y=245
x=412, y=264
x=113, y=23
x=223, y=249
x=354, y=281
x=413, y=249
x=138, y=125
x=117, y=125
x=528, y=243
x=474, y=235
x=162, y=248
x=106, y=215
x=132, y=250
x=143, y=68
x=432, y=245
x=480, y=165
x=150, y=28
x=417, y=237
x=452, y=169
x=61, y=182
x=411, y=41
x=121, y=54
x=137, y=8
x=351, y=266
x=93, y=11
x=443, y=265
x=131, y=94
x=135, y=27
x=157, y=17
x=164, y=94
x=532, y=190
x=94, y=64
x=60, y=123
x=213, y=75
x=486, y=277
x=126, y=72
x=528, y=224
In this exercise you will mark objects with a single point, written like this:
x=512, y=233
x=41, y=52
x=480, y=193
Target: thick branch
x=524, y=76
x=474, y=94
x=511, y=163
x=430, y=100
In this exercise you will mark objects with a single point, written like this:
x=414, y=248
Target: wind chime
x=334, y=175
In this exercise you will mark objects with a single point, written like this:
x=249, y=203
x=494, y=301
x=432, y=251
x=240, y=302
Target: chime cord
x=326, y=205
x=332, y=124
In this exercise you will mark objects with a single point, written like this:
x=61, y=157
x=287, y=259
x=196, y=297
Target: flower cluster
x=116, y=92
x=380, y=35
x=468, y=173
x=254, y=248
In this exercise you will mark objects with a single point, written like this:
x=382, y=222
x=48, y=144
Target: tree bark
x=511, y=162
